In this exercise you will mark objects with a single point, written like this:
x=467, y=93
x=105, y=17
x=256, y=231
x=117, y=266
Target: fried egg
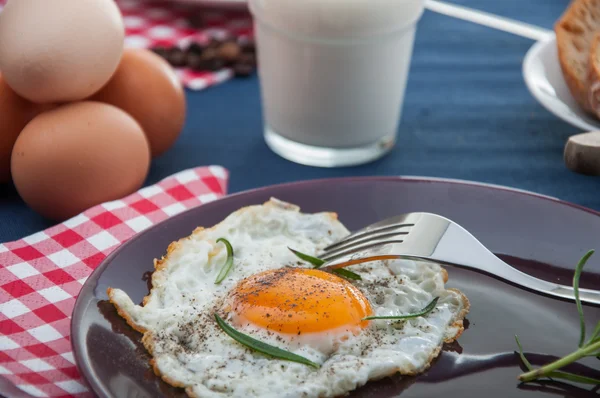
x=273, y=296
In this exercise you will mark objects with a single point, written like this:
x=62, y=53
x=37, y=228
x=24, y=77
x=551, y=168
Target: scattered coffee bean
x=213, y=55
x=195, y=48
x=242, y=70
x=248, y=46
x=210, y=52
x=213, y=42
x=176, y=57
x=214, y=64
x=211, y=60
x=247, y=58
x=245, y=65
x=195, y=61
x=229, y=51
x=161, y=51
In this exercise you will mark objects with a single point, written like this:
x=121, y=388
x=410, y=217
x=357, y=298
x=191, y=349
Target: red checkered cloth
x=42, y=274
x=150, y=23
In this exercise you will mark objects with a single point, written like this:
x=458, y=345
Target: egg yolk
x=299, y=300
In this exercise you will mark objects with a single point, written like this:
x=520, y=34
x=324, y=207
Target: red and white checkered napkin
x=150, y=23
x=42, y=274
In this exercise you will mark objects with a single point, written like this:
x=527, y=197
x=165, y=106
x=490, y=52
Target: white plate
x=544, y=79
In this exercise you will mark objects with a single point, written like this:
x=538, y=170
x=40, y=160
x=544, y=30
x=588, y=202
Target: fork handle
x=490, y=20
x=513, y=275
x=479, y=257
x=492, y=266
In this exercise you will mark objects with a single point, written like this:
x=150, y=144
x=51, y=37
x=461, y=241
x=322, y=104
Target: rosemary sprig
x=589, y=348
x=348, y=274
x=523, y=358
x=576, y=277
x=228, y=262
x=317, y=262
x=557, y=374
x=259, y=346
x=596, y=333
x=551, y=370
x=426, y=310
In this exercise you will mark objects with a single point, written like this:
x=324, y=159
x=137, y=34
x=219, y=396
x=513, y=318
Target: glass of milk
x=333, y=75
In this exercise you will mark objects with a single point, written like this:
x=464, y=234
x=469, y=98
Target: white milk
x=333, y=75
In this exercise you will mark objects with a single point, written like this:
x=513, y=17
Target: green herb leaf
x=259, y=346
x=558, y=374
x=547, y=369
x=576, y=277
x=595, y=334
x=347, y=274
x=317, y=262
x=423, y=312
x=589, y=349
x=228, y=262
x=525, y=361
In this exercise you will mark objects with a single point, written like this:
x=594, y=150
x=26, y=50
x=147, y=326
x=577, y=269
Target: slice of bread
x=594, y=76
x=575, y=32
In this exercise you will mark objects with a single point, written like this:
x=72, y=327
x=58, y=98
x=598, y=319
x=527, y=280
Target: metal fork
x=429, y=237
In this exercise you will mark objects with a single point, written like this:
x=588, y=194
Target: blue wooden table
x=467, y=115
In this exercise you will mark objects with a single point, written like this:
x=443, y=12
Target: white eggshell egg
x=59, y=50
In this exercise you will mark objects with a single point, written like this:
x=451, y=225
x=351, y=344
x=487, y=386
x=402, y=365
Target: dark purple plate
x=539, y=235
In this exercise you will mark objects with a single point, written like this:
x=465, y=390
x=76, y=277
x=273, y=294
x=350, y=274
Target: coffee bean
x=215, y=54
x=213, y=42
x=176, y=57
x=209, y=53
x=211, y=60
x=245, y=65
x=214, y=64
x=195, y=48
x=161, y=51
x=229, y=51
x=247, y=45
x=247, y=58
x=194, y=61
x=242, y=69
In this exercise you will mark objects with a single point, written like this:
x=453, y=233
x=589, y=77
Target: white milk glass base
x=332, y=103
x=319, y=156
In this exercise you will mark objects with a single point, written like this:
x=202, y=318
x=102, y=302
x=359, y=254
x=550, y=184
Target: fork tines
x=366, y=239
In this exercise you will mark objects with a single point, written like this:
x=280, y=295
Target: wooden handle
x=582, y=153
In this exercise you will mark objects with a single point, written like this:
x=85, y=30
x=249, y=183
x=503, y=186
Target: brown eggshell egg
x=79, y=155
x=15, y=113
x=59, y=50
x=146, y=87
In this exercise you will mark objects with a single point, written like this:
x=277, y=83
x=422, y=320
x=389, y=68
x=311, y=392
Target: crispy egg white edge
x=125, y=307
